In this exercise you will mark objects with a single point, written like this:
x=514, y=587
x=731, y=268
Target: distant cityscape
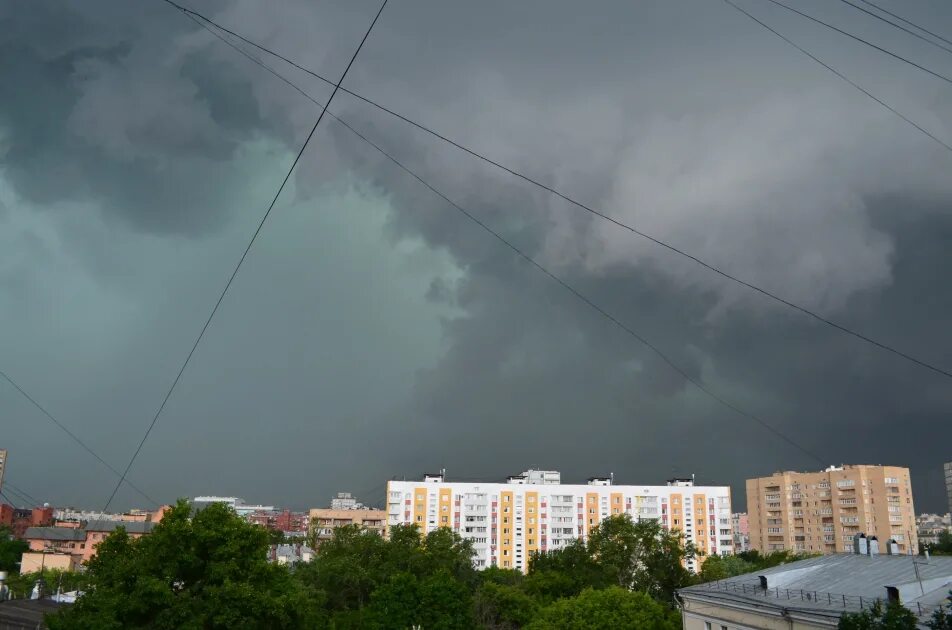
x=534, y=511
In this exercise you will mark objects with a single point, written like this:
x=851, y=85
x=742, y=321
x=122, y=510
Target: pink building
x=49, y=546
x=741, y=529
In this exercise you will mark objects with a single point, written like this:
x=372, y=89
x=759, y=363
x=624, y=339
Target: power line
x=618, y=323
x=8, y=499
x=582, y=206
x=905, y=21
x=893, y=24
x=847, y=80
x=21, y=493
x=73, y=436
x=863, y=41
x=242, y=259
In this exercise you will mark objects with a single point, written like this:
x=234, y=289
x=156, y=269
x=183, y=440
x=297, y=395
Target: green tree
x=564, y=572
x=500, y=606
x=11, y=549
x=722, y=567
x=942, y=616
x=942, y=547
x=366, y=581
x=893, y=616
x=642, y=555
x=612, y=608
x=204, y=571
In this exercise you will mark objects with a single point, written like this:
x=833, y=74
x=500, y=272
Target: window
x=707, y=625
x=506, y=498
x=531, y=499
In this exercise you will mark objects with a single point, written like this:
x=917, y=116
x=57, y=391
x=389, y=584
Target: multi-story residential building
x=739, y=524
x=3, y=465
x=929, y=526
x=346, y=501
x=821, y=512
x=323, y=522
x=535, y=512
x=948, y=483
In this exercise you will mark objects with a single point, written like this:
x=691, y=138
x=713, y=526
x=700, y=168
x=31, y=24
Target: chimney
x=892, y=547
x=873, y=546
x=860, y=544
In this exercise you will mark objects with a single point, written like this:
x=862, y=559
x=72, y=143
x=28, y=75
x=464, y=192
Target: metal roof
x=132, y=527
x=829, y=585
x=69, y=534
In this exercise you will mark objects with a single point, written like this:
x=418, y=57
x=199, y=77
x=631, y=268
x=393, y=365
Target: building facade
x=69, y=547
x=3, y=465
x=948, y=483
x=534, y=511
x=929, y=526
x=740, y=526
x=323, y=522
x=821, y=512
x=286, y=521
x=346, y=501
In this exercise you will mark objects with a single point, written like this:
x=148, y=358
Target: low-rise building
x=291, y=523
x=19, y=519
x=69, y=547
x=323, y=522
x=814, y=593
x=290, y=555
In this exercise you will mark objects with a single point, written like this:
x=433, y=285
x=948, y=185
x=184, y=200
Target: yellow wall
x=507, y=558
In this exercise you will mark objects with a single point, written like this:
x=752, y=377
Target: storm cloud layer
x=375, y=332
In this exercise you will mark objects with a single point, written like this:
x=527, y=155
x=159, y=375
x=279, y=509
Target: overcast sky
x=374, y=331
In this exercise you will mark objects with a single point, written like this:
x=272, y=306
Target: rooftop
x=69, y=534
x=827, y=586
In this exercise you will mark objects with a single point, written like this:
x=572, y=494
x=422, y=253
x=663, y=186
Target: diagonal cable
x=244, y=254
x=899, y=26
x=905, y=21
x=861, y=40
x=73, y=436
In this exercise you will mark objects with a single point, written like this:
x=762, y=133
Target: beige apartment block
x=820, y=512
x=323, y=521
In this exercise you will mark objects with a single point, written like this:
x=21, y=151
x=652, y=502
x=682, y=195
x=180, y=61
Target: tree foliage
x=942, y=547
x=893, y=616
x=207, y=570
x=11, y=549
x=610, y=608
x=641, y=556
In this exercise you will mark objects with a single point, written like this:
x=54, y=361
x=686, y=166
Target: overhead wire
x=28, y=498
x=244, y=254
x=905, y=21
x=898, y=26
x=541, y=268
x=73, y=436
x=845, y=78
x=550, y=189
x=862, y=41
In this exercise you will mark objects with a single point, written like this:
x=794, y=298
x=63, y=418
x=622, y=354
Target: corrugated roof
x=55, y=533
x=833, y=583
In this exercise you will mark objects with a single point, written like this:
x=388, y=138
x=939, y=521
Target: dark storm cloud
x=682, y=118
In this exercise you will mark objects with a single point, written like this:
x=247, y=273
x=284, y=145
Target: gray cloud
x=377, y=332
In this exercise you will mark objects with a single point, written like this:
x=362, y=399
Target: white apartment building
x=534, y=511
